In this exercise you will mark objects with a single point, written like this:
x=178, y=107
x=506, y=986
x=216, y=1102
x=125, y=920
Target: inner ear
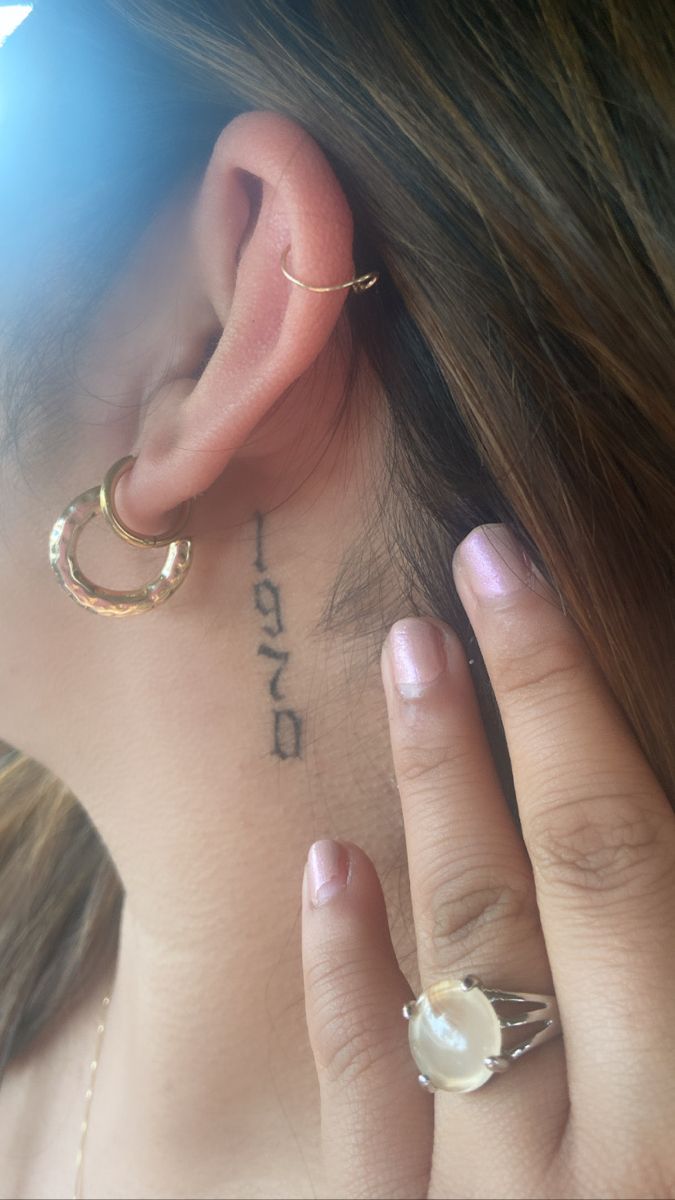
x=253, y=186
x=207, y=353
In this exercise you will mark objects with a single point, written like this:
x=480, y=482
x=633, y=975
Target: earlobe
x=272, y=330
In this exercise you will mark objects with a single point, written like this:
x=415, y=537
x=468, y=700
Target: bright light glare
x=11, y=16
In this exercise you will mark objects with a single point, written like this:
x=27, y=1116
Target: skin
x=214, y=1080
x=587, y=911
x=163, y=724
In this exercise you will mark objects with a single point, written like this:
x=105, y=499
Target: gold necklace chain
x=88, y=1095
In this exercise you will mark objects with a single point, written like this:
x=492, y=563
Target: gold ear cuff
x=360, y=284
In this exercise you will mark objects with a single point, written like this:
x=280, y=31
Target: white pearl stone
x=451, y=1033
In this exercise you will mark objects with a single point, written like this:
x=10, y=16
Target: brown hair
x=507, y=166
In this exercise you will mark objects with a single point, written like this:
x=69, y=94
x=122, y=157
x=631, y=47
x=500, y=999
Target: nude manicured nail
x=417, y=655
x=494, y=562
x=327, y=870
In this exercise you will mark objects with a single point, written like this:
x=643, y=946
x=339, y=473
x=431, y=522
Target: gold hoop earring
x=100, y=501
x=360, y=284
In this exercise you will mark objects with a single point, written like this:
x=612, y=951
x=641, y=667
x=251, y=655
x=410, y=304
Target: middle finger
x=471, y=883
x=472, y=890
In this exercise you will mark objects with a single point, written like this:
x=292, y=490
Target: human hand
x=583, y=909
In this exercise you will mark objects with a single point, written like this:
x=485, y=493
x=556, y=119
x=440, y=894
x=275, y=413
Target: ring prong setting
x=425, y=1082
x=469, y=982
x=409, y=1008
x=498, y=1064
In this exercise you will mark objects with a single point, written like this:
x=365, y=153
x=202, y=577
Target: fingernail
x=327, y=870
x=495, y=563
x=417, y=655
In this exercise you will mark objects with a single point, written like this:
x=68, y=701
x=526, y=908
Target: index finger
x=599, y=829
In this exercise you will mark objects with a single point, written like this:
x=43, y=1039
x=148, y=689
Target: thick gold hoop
x=107, y=602
x=359, y=284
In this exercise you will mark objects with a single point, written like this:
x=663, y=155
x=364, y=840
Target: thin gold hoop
x=360, y=284
x=108, y=509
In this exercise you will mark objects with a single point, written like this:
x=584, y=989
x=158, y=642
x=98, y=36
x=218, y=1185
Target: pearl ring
x=458, y=1029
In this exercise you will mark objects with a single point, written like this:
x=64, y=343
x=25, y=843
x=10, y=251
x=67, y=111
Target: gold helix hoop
x=100, y=501
x=360, y=284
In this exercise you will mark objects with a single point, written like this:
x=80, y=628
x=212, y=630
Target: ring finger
x=600, y=833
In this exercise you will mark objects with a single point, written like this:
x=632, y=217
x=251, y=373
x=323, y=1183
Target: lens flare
x=11, y=16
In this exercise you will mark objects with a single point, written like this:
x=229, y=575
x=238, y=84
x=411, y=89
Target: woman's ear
x=267, y=186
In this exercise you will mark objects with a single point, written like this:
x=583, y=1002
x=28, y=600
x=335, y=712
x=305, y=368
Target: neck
x=252, y=729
